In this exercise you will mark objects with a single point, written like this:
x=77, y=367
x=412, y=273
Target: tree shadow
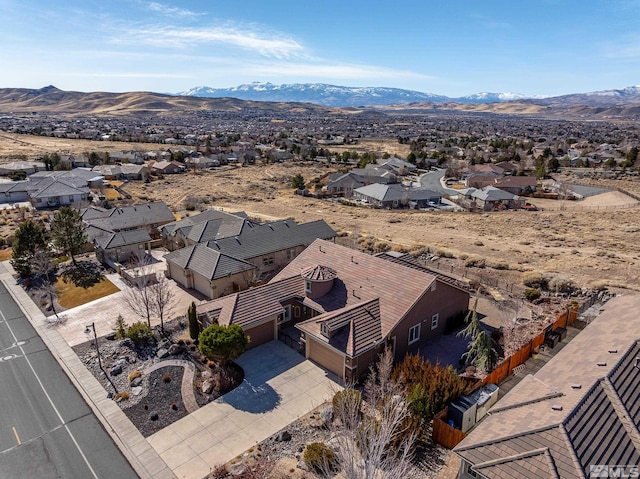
x=83, y=274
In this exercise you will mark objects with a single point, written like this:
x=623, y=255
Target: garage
x=260, y=334
x=326, y=357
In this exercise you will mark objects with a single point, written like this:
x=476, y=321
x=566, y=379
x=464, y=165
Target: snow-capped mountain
x=318, y=93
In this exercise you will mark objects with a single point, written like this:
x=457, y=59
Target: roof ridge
x=571, y=450
x=509, y=437
x=514, y=457
x=621, y=412
x=546, y=397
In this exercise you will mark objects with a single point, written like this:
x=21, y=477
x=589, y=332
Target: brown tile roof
x=598, y=422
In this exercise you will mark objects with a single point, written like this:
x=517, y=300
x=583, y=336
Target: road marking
x=75, y=442
x=15, y=433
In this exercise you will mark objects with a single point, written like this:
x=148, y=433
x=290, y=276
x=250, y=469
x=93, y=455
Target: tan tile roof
x=598, y=422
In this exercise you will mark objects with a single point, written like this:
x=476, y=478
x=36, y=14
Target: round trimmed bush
x=318, y=457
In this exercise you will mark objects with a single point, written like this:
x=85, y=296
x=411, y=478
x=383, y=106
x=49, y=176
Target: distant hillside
x=52, y=100
x=611, y=104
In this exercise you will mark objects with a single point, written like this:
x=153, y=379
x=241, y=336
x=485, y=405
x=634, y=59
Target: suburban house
x=117, y=233
x=517, y=185
x=577, y=417
x=58, y=188
x=343, y=184
x=126, y=171
x=346, y=306
x=119, y=247
x=489, y=198
x=14, y=191
x=397, y=166
x=256, y=251
x=29, y=167
x=396, y=196
x=209, y=225
x=167, y=167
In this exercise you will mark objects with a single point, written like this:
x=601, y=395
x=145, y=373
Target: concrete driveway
x=280, y=386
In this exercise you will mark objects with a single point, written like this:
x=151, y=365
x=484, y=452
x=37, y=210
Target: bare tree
x=162, y=298
x=371, y=440
x=139, y=297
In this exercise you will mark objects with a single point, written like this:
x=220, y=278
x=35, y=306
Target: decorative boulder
x=207, y=386
x=110, y=337
x=162, y=353
x=136, y=390
x=283, y=436
x=175, y=349
x=115, y=370
x=136, y=382
x=238, y=469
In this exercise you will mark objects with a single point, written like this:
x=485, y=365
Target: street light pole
x=95, y=339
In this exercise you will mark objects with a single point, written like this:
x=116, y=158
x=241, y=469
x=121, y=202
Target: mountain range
x=341, y=96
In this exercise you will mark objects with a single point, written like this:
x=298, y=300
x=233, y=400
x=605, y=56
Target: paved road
x=46, y=428
x=431, y=181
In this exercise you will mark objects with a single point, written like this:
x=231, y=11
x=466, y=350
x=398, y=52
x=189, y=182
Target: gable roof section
x=354, y=329
x=122, y=238
x=230, y=224
x=207, y=262
x=256, y=304
x=599, y=420
x=131, y=217
x=259, y=240
x=52, y=187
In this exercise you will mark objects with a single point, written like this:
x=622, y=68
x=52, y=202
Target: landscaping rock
x=206, y=374
x=111, y=336
x=283, y=436
x=207, y=386
x=136, y=390
x=327, y=415
x=301, y=465
x=153, y=416
x=115, y=370
x=162, y=353
x=238, y=469
x=126, y=343
x=136, y=382
x=175, y=349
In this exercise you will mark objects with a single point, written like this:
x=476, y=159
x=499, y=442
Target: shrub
x=318, y=457
x=166, y=378
x=531, y=294
x=534, y=279
x=474, y=261
x=139, y=333
x=121, y=328
x=190, y=207
x=122, y=396
x=222, y=343
x=347, y=397
x=134, y=375
x=561, y=285
x=173, y=406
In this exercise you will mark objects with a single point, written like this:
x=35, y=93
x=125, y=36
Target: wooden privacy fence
x=445, y=434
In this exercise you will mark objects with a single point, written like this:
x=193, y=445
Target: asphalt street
x=46, y=428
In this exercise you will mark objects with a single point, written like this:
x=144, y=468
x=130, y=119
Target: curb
x=136, y=449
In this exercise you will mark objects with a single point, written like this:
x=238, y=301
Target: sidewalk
x=142, y=457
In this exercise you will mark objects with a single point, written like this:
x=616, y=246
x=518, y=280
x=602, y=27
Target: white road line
x=93, y=473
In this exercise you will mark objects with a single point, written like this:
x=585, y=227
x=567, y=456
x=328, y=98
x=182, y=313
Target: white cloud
x=171, y=11
x=277, y=45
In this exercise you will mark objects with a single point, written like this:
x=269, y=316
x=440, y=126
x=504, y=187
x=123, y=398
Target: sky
x=447, y=47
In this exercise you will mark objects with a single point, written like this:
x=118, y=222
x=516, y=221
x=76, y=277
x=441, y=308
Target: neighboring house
x=206, y=226
x=480, y=180
x=119, y=247
x=517, y=185
x=77, y=177
x=398, y=166
x=581, y=411
x=267, y=247
x=396, y=196
x=209, y=272
x=51, y=192
x=29, y=167
x=343, y=184
x=132, y=171
x=14, y=191
x=347, y=306
x=489, y=198
x=149, y=216
x=167, y=167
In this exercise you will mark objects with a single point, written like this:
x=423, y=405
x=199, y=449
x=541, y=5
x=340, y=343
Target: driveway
x=279, y=387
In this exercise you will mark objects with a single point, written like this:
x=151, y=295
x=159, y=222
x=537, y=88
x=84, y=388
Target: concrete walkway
x=186, y=389
x=142, y=457
x=279, y=387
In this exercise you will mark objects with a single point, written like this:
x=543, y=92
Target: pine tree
x=480, y=351
x=194, y=328
x=68, y=231
x=29, y=239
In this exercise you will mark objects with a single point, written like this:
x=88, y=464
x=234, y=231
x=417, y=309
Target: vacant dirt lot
x=589, y=247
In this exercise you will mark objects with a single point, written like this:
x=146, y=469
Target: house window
x=267, y=261
x=434, y=320
x=324, y=329
x=414, y=334
x=286, y=316
x=307, y=286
